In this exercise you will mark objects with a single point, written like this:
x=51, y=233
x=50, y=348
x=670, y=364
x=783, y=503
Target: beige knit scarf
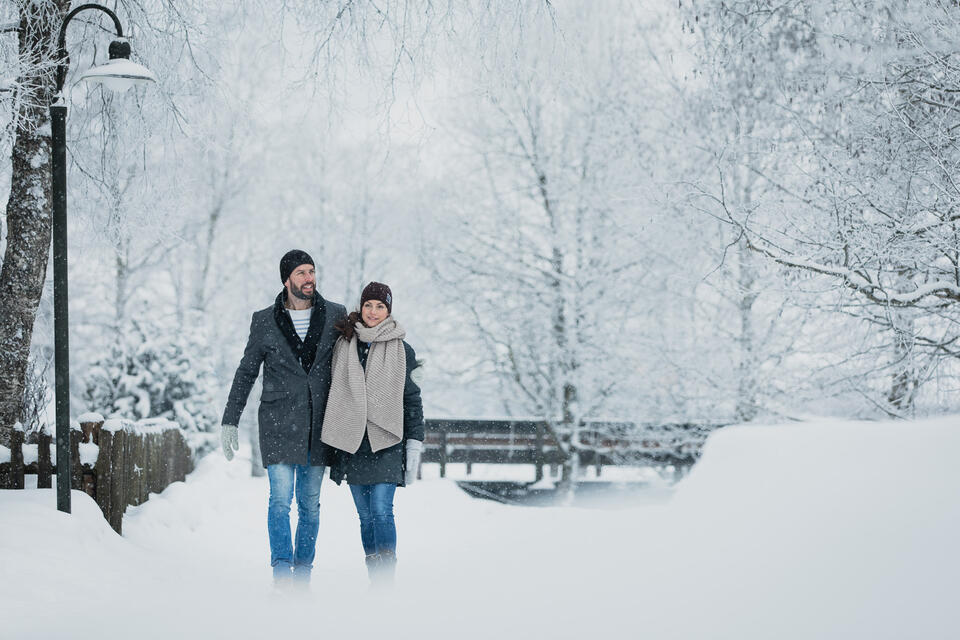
x=367, y=401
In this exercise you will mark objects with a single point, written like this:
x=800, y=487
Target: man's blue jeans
x=285, y=480
x=378, y=531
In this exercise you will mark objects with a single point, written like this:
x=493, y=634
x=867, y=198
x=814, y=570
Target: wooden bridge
x=471, y=441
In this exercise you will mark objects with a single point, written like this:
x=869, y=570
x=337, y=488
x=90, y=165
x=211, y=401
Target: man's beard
x=299, y=292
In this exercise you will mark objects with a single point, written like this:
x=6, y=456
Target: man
x=293, y=340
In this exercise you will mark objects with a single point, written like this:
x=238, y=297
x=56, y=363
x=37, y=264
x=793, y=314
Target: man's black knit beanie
x=291, y=260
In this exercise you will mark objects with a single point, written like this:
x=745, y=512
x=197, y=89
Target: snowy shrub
x=157, y=372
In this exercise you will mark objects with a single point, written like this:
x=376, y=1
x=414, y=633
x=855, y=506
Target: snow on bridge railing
x=117, y=462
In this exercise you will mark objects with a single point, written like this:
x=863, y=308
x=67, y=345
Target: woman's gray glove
x=414, y=447
x=230, y=439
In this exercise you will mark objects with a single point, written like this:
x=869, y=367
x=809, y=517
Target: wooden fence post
x=133, y=464
x=166, y=459
x=179, y=468
x=91, y=431
x=156, y=464
x=117, y=455
x=187, y=456
x=147, y=474
x=103, y=473
x=470, y=449
x=443, y=454
x=16, y=458
x=142, y=483
x=76, y=469
x=183, y=456
x=129, y=462
x=44, y=463
x=538, y=453
x=172, y=462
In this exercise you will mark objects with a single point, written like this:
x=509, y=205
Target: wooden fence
x=599, y=444
x=117, y=462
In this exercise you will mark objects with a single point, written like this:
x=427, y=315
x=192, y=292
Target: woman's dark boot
x=388, y=564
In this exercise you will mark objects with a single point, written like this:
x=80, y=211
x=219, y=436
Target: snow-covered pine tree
x=158, y=372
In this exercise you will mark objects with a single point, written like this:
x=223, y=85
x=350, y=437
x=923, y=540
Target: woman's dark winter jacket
x=387, y=465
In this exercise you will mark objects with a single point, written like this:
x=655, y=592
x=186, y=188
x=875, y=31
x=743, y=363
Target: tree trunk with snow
x=905, y=381
x=29, y=207
x=122, y=273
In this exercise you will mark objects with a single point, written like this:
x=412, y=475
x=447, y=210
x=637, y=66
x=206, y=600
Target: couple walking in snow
x=337, y=394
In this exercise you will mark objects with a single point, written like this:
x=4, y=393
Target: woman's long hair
x=346, y=326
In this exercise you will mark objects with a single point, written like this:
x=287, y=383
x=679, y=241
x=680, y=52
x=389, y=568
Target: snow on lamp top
x=119, y=74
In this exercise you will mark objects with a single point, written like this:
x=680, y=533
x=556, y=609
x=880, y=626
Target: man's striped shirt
x=301, y=321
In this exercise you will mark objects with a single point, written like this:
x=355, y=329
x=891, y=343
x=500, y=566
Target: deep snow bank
x=829, y=529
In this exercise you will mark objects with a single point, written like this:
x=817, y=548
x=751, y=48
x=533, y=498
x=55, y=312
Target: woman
x=374, y=420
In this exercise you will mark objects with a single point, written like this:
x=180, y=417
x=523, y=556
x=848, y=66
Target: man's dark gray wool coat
x=296, y=381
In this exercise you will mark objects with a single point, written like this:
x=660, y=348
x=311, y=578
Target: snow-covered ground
x=819, y=530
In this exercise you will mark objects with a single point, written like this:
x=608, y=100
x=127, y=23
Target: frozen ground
x=820, y=530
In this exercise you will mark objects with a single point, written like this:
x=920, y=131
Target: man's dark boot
x=283, y=576
x=373, y=565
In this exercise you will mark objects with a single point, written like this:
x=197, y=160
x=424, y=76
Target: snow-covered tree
x=156, y=372
x=861, y=124
x=27, y=88
x=529, y=245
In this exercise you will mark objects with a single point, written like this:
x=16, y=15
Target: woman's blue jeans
x=378, y=531
x=285, y=481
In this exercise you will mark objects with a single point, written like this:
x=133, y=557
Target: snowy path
x=194, y=559
x=864, y=548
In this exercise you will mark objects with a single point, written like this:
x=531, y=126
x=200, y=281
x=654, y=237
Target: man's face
x=302, y=282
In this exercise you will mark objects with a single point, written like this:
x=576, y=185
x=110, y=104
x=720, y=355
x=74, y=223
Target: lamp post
x=118, y=74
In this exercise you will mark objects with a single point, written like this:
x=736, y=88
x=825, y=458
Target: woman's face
x=373, y=312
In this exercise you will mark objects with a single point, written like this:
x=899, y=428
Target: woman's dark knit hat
x=377, y=291
x=291, y=260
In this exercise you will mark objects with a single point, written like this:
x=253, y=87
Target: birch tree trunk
x=746, y=406
x=29, y=207
x=199, y=299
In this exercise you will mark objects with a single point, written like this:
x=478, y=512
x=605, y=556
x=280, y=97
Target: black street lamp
x=118, y=74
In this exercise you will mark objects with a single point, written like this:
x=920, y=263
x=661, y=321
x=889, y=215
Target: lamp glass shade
x=119, y=74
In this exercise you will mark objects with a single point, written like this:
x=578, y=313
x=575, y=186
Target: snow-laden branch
x=866, y=284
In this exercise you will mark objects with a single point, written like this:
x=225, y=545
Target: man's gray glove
x=414, y=447
x=230, y=439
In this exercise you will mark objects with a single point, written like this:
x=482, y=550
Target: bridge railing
x=598, y=443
